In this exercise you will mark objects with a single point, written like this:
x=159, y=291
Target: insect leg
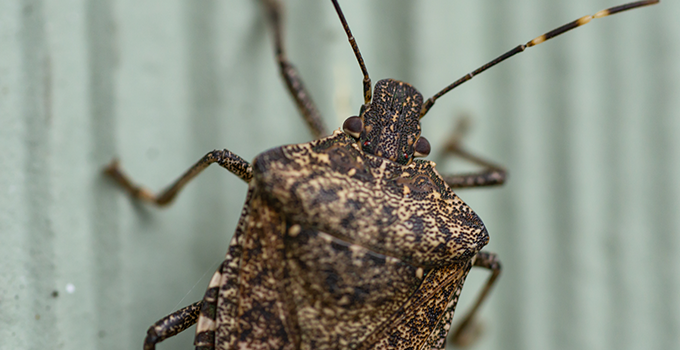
x=172, y=325
x=228, y=160
x=290, y=75
x=492, y=174
x=467, y=330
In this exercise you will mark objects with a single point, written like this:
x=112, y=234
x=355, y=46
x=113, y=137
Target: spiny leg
x=172, y=325
x=547, y=36
x=228, y=160
x=290, y=75
x=467, y=330
x=492, y=174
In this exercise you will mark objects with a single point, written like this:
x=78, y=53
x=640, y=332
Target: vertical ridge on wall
x=106, y=239
x=668, y=31
x=36, y=110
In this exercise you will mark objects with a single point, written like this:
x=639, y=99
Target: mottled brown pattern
x=172, y=324
x=416, y=322
x=345, y=242
x=407, y=212
x=392, y=121
x=337, y=248
x=342, y=292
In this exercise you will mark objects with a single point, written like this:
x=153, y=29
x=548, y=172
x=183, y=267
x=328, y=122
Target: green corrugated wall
x=587, y=227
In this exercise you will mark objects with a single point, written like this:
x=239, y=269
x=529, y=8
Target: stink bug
x=346, y=241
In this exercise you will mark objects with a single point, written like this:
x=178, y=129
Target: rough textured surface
x=406, y=212
x=341, y=249
x=173, y=324
x=392, y=121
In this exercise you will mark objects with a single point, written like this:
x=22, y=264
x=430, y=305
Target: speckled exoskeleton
x=345, y=242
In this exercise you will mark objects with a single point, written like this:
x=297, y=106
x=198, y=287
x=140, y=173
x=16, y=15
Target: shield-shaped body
x=340, y=249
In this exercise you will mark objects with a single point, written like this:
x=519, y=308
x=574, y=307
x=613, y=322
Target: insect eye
x=422, y=147
x=353, y=126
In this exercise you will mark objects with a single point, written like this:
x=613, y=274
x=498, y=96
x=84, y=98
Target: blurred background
x=588, y=125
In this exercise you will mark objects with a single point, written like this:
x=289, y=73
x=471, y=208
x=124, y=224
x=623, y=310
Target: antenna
x=357, y=53
x=547, y=36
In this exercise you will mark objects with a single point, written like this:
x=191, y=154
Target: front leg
x=491, y=175
x=228, y=160
x=290, y=74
